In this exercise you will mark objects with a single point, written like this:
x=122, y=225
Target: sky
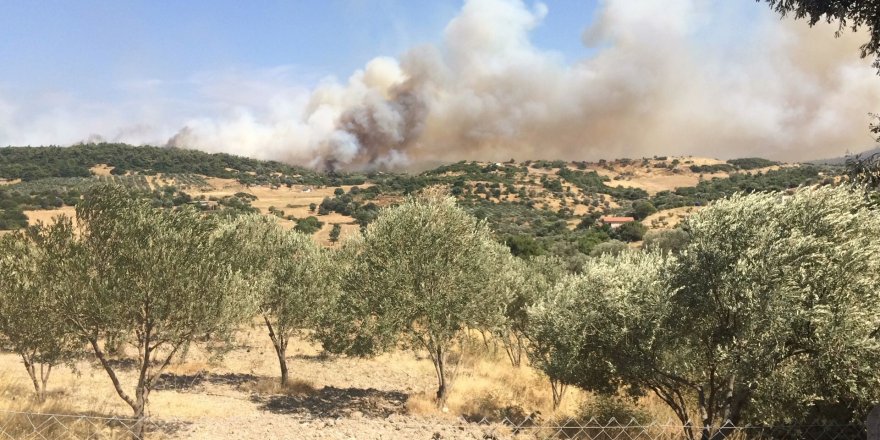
x=365, y=83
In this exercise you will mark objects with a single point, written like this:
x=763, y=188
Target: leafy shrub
x=630, y=232
x=603, y=409
x=309, y=225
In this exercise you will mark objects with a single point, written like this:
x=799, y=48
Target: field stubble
x=238, y=396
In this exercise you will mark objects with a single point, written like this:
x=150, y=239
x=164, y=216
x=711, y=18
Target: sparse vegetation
x=435, y=267
x=174, y=267
x=769, y=344
x=31, y=275
x=156, y=279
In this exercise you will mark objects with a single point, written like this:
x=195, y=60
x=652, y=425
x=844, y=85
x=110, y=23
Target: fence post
x=874, y=424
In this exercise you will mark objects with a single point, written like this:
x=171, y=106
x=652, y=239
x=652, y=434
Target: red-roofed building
x=615, y=222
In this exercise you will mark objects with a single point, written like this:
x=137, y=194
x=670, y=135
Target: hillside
x=535, y=206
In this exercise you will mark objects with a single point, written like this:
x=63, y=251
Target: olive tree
x=423, y=273
x=31, y=269
x=784, y=289
x=299, y=277
x=769, y=314
x=155, y=279
x=577, y=329
x=526, y=282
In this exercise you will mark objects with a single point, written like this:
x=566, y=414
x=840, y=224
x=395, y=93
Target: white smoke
x=671, y=77
x=667, y=77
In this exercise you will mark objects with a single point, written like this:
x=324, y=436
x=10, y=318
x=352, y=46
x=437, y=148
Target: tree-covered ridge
x=535, y=207
x=34, y=163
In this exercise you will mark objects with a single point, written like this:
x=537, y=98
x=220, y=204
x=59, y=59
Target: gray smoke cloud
x=700, y=77
x=668, y=77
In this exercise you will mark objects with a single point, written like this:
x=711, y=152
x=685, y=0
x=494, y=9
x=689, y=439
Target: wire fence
x=40, y=426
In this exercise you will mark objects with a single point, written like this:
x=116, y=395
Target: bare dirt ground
x=101, y=170
x=48, y=215
x=654, y=180
x=388, y=397
x=669, y=218
x=293, y=201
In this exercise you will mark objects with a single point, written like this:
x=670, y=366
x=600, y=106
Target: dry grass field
x=293, y=201
x=48, y=215
x=669, y=218
x=387, y=397
x=647, y=174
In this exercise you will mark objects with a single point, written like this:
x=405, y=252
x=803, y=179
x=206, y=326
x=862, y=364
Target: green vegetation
x=629, y=232
x=334, y=232
x=709, y=190
x=592, y=182
x=156, y=279
x=760, y=309
x=34, y=163
x=436, y=268
x=308, y=225
x=751, y=163
x=768, y=315
x=297, y=273
x=710, y=169
x=532, y=213
x=354, y=204
x=32, y=273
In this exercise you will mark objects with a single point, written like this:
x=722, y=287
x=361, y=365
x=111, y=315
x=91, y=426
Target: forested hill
x=535, y=206
x=34, y=163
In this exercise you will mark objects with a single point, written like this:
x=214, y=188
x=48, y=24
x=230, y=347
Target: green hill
x=534, y=206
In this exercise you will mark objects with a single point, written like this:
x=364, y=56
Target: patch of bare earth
x=669, y=218
x=329, y=397
x=48, y=216
x=102, y=170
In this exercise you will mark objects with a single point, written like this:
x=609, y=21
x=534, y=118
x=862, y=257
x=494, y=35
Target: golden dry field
x=237, y=396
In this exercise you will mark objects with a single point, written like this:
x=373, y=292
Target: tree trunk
x=279, y=342
x=440, y=367
x=138, y=430
x=704, y=415
x=282, y=362
x=559, y=389
x=45, y=371
x=32, y=373
x=514, y=347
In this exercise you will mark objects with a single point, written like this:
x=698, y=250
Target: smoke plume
x=661, y=77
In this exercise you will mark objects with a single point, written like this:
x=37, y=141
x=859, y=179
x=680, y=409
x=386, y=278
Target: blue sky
x=84, y=46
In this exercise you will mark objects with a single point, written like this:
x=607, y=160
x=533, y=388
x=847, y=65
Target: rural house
x=615, y=222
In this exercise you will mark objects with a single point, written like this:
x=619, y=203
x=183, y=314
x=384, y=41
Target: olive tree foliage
x=423, y=273
x=784, y=290
x=31, y=268
x=153, y=279
x=666, y=240
x=864, y=170
x=578, y=328
x=299, y=277
x=770, y=314
x=526, y=281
